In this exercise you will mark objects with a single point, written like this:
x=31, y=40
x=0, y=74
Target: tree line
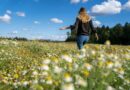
x=118, y=34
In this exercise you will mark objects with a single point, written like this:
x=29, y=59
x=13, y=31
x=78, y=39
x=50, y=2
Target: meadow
x=33, y=65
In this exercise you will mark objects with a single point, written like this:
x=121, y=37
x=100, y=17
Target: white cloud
x=6, y=18
x=8, y=12
x=25, y=29
x=21, y=14
x=127, y=5
x=36, y=22
x=93, y=17
x=84, y=1
x=78, y=1
x=75, y=1
x=14, y=32
x=56, y=20
x=96, y=23
x=107, y=7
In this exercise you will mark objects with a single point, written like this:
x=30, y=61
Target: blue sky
x=42, y=18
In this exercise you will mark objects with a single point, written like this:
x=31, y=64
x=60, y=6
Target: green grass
x=60, y=66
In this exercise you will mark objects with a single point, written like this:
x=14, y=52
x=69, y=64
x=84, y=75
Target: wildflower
x=42, y=80
x=110, y=88
x=80, y=81
x=45, y=67
x=46, y=61
x=127, y=81
x=67, y=58
x=82, y=53
x=25, y=83
x=67, y=77
x=121, y=76
x=2, y=51
x=93, y=52
x=16, y=76
x=88, y=66
x=55, y=60
x=83, y=50
x=69, y=86
x=35, y=81
x=35, y=73
x=102, y=58
x=49, y=80
x=4, y=42
x=109, y=64
x=76, y=66
x=19, y=83
x=108, y=43
x=121, y=71
x=5, y=81
x=81, y=56
x=121, y=88
x=117, y=64
x=86, y=73
x=44, y=73
x=115, y=57
x=57, y=69
x=106, y=74
x=15, y=85
x=15, y=43
x=24, y=72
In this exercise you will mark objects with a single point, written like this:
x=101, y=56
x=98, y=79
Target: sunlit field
x=33, y=65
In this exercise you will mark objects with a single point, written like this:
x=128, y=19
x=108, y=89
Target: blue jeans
x=81, y=41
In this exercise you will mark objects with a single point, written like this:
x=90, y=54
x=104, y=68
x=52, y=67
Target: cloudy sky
x=42, y=18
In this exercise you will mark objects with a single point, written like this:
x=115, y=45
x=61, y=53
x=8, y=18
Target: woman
x=83, y=27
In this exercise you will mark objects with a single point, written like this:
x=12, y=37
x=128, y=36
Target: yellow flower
x=56, y=83
x=120, y=71
x=55, y=60
x=5, y=81
x=88, y=66
x=49, y=80
x=67, y=77
x=86, y=73
x=108, y=43
x=109, y=64
x=86, y=46
x=93, y=52
x=16, y=76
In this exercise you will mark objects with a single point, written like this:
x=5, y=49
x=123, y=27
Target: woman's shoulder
x=79, y=18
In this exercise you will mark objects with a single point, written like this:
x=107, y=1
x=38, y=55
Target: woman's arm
x=72, y=27
x=96, y=35
x=65, y=28
x=93, y=30
x=92, y=27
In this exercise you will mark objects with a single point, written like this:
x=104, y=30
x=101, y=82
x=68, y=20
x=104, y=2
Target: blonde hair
x=83, y=16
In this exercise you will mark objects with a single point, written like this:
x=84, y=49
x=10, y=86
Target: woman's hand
x=64, y=28
x=96, y=36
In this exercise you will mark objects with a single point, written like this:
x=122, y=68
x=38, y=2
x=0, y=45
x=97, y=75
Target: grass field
x=37, y=65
